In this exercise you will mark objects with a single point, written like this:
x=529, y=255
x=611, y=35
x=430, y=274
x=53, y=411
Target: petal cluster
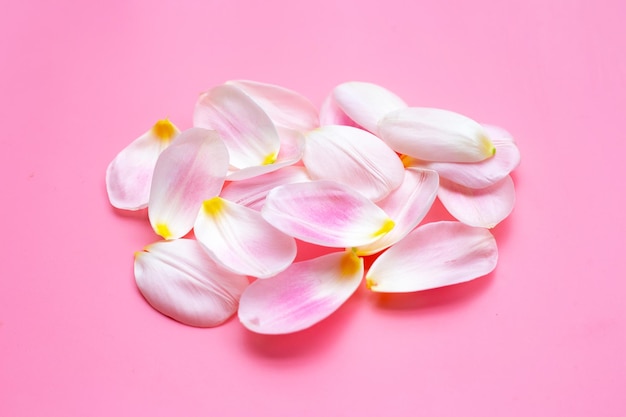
x=261, y=169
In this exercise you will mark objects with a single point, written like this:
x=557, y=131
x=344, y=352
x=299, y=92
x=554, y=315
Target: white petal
x=239, y=239
x=325, y=213
x=436, y=135
x=190, y=171
x=301, y=296
x=247, y=131
x=332, y=114
x=285, y=107
x=180, y=280
x=407, y=205
x=366, y=103
x=353, y=157
x=252, y=192
x=129, y=175
x=434, y=255
x=484, y=173
x=485, y=207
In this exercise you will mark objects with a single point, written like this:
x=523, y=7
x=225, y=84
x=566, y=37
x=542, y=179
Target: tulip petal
x=332, y=114
x=180, y=280
x=485, y=207
x=407, y=205
x=190, y=171
x=291, y=150
x=301, y=296
x=129, y=175
x=325, y=213
x=353, y=157
x=434, y=255
x=435, y=135
x=247, y=131
x=484, y=173
x=252, y=192
x=285, y=107
x=366, y=103
x=240, y=240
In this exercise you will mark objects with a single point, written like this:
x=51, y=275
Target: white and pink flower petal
x=285, y=107
x=240, y=240
x=407, y=205
x=181, y=281
x=436, y=135
x=484, y=173
x=301, y=296
x=366, y=103
x=247, y=131
x=325, y=213
x=332, y=114
x=434, y=255
x=485, y=207
x=353, y=157
x=190, y=171
x=252, y=192
x=129, y=175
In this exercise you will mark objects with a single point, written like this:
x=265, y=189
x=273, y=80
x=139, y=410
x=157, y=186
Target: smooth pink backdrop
x=544, y=335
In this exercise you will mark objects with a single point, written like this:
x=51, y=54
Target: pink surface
x=545, y=334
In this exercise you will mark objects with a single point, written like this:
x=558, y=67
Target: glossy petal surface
x=301, y=296
x=180, y=280
x=436, y=135
x=325, y=213
x=434, y=255
x=407, y=205
x=366, y=103
x=188, y=172
x=252, y=192
x=247, y=131
x=129, y=175
x=484, y=173
x=332, y=114
x=239, y=239
x=485, y=207
x=285, y=107
x=353, y=157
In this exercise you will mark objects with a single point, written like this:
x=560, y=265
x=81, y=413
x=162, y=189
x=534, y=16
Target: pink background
x=544, y=335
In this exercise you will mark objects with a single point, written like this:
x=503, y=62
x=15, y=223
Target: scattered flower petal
x=129, y=175
x=190, y=171
x=240, y=240
x=302, y=295
x=285, y=107
x=485, y=207
x=435, y=135
x=325, y=213
x=434, y=255
x=180, y=280
x=247, y=131
x=353, y=157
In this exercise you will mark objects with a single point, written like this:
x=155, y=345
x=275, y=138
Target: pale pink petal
x=485, y=207
x=291, y=150
x=353, y=157
x=239, y=239
x=303, y=295
x=436, y=135
x=190, y=171
x=325, y=213
x=285, y=107
x=434, y=255
x=129, y=175
x=332, y=114
x=366, y=103
x=484, y=173
x=181, y=281
x=252, y=192
x=247, y=131
x=407, y=205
